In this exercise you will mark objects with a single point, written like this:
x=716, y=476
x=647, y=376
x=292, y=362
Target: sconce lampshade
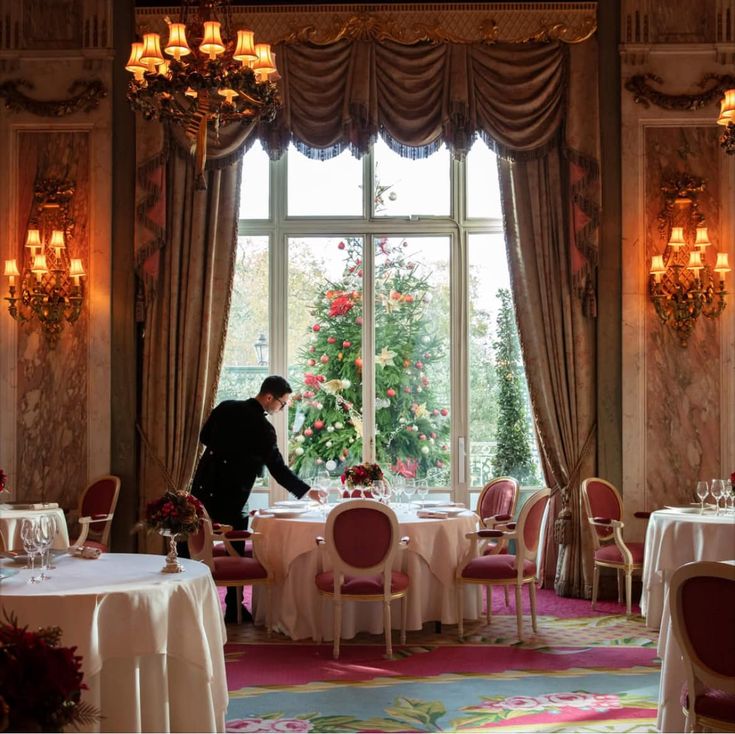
x=39, y=264
x=722, y=265
x=57, y=239
x=727, y=108
x=657, y=265
x=134, y=63
x=264, y=65
x=33, y=238
x=702, y=240
x=151, y=55
x=695, y=261
x=677, y=237
x=245, y=50
x=11, y=268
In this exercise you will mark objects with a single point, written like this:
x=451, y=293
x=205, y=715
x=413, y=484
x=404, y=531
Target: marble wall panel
x=52, y=410
x=682, y=384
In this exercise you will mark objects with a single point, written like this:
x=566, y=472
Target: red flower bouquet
x=174, y=514
x=361, y=475
x=41, y=683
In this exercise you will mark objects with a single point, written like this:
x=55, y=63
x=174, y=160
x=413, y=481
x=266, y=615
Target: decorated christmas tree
x=512, y=455
x=412, y=422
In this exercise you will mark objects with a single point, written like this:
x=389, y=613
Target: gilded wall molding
x=643, y=93
x=91, y=91
x=370, y=27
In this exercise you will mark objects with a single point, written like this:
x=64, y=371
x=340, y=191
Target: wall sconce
x=261, y=350
x=727, y=118
x=682, y=284
x=50, y=285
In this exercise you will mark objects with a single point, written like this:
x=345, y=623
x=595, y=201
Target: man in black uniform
x=240, y=441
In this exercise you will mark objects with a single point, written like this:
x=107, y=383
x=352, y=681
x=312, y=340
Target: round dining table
x=676, y=536
x=151, y=643
x=287, y=546
x=11, y=518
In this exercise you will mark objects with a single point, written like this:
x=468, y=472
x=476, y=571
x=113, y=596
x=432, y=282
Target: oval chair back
x=362, y=539
x=97, y=505
x=702, y=605
x=498, y=498
x=601, y=499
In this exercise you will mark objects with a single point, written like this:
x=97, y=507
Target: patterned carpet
x=583, y=671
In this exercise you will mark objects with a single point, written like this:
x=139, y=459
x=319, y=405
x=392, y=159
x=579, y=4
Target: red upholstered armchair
x=362, y=541
x=495, y=508
x=230, y=568
x=96, y=510
x=604, y=508
x=505, y=569
x=702, y=604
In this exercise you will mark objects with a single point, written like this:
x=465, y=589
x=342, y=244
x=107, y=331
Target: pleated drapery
x=533, y=103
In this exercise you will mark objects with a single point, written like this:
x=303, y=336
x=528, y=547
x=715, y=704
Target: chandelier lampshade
x=207, y=75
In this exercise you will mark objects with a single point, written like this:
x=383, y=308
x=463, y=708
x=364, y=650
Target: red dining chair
x=505, y=569
x=96, y=510
x=362, y=542
x=231, y=569
x=604, y=508
x=496, y=506
x=702, y=605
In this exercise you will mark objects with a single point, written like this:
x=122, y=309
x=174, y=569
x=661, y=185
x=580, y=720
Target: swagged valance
x=417, y=96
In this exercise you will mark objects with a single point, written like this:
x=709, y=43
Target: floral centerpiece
x=41, y=683
x=176, y=514
x=359, y=477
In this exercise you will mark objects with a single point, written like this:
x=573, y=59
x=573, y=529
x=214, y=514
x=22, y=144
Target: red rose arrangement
x=362, y=475
x=175, y=513
x=41, y=683
x=3, y=480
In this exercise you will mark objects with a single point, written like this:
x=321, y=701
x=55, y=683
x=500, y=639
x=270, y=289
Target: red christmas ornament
x=316, y=327
x=390, y=392
x=324, y=359
x=308, y=432
x=358, y=362
x=444, y=411
x=311, y=362
x=346, y=344
x=331, y=340
x=341, y=245
x=318, y=425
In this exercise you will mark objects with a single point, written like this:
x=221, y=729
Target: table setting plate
x=7, y=573
x=294, y=504
x=686, y=510
x=285, y=512
x=449, y=510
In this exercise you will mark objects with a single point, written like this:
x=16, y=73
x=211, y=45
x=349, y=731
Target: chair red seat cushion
x=366, y=585
x=231, y=568
x=500, y=566
x=611, y=554
x=219, y=549
x=712, y=702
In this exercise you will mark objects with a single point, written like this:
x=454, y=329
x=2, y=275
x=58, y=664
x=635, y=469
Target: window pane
x=501, y=437
x=325, y=353
x=412, y=357
x=483, y=189
x=405, y=187
x=242, y=370
x=324, y=188
x=255, y=189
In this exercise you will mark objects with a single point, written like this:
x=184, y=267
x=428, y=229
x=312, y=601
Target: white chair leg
x=387, y=629
x=532, y=597
x=460, y=609
x=519, y=612
x=404, y=617
x=628, y=591
x=595, y=584
x=337, y=628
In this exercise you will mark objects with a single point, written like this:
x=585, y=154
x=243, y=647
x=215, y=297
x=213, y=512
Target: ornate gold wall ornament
x=87, y=94
x=644, y=94
x=369, y=27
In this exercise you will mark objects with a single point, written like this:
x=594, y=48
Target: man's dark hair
x=276, y=386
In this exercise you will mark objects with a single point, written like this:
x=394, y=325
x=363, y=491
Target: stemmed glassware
x=728, y=494
x=29, y=536
x=702, y=492
x=409, y=490
x=422, y=489
x=45, y=531
x=716, y=490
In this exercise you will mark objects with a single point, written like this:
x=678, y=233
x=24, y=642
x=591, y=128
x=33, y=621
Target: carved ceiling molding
x=643, y=93
x=86, y=96
x=407, y=23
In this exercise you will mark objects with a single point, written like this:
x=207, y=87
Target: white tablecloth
x=288, y=547
x=670, y=716
x=673, y=539
x=151, y=643
x=10, y=521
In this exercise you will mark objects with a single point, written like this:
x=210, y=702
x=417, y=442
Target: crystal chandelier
x=49, y=288
x=211, y=77
x=683, y=284
x=727, y=119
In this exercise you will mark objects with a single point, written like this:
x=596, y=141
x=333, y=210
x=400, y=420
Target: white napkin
x=433, y=513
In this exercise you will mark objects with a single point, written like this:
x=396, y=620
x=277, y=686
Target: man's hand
x=316, y=495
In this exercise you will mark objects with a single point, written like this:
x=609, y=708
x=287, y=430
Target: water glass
x=716, y=490
x=45, y=531
x=729, y=497
x=423, y=489
x=29, y=536
x=702, y=492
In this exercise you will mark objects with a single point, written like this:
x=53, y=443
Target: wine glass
x=323, y=494
x=44, y=538
x=422, y=490
x=728, y=494
x=409, y=489
x=398, y=488
x=28, y=535
x=702, y=492
x=716, y=489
